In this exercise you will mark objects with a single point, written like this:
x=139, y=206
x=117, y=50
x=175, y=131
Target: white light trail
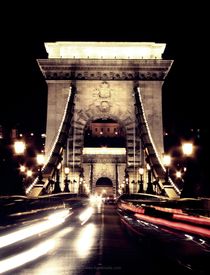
x=31, y=230
x=26, y=256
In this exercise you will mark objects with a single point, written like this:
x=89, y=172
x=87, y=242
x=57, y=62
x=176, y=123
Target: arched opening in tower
x=104, y=133
x=104, y=187
x=104, y=182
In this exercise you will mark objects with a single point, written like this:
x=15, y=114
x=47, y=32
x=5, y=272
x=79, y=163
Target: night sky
x=24, y=96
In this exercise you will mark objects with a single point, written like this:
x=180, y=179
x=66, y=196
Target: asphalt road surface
x=101, y=245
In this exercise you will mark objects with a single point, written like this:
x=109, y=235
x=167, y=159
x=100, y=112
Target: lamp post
x=149, y=183
x=179, y=180
x=66, y=181
x=81, y=178
x=166, y=163
x=141, y=186
x=57, y=188
x=187, y=150
x=123, y=187
x=19, y=148
x=40, y=162
x=74, y=184
x=23, y=175
x=127, y=191
x=132, y=185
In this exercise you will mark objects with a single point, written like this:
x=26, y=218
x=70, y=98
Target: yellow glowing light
x=66, y=170
x=105, y=50
x=166, y=160
x=22, y=168
x=141, y=171
x=40, y=159
x=187, y=148
x=29, y=173
x=178, y=174
x=20, y=147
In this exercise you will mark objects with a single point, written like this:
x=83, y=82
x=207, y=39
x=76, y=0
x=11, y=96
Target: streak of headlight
x=194, y=229
x=27, y=256
x=32, y=230
x=202, y=241
x=189, y=237
x=85, y=240
x=85, y=215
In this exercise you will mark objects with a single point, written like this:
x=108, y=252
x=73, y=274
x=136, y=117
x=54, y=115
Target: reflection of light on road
x=27, y=256
x=54, y=264
x=39, y=227
x=96, y=200
x=85, y=240
x=85, y=215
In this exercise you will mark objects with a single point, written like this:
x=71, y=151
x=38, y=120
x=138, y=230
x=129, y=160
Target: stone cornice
x=105, y=50
x=91, y=69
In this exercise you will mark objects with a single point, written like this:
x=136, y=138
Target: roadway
x=100, y=245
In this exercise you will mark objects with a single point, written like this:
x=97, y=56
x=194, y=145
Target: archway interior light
x=104, y=151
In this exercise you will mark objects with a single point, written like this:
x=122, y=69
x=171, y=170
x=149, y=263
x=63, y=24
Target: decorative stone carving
x=104, y=106
x=105, y=69
x=109, y=76
x=104, y=90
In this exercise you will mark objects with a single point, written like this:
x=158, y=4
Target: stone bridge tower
x=105, y=76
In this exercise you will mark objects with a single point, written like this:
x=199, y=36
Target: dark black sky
x=184, y=30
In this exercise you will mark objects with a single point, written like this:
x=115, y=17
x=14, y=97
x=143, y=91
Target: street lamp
x=74, y=185
x=166, y=163
x=22, y=168
x=81, y=182
x=133, y=185
x=57, y=188
x=66, y=181
x=179, y=180
x=187, y=150
x=40, y=162
x=141, y=173
x=149, y=183
x=29, y=173
x=123, y=187
x=19, y=148
x=127, y=191
x=23, y=174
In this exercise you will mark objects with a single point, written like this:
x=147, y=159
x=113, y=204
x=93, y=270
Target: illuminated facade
x=105, y=75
